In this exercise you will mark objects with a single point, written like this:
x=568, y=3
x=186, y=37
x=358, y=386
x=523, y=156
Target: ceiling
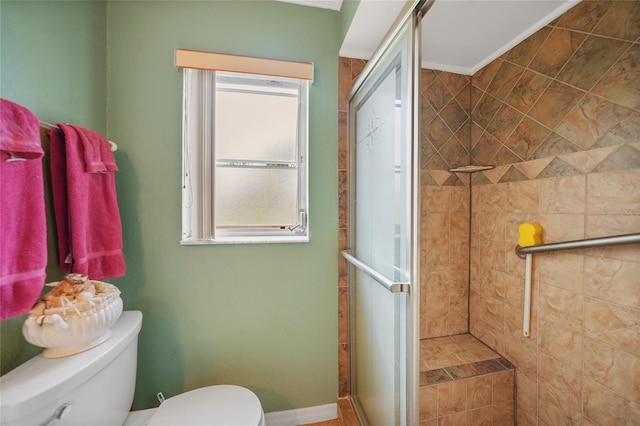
x=460, y=36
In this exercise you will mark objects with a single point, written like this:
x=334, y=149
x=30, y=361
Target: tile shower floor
x=455, y=357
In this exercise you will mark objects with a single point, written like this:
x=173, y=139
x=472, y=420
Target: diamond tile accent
x=587, y=161
x=494, y=175
x=513, y=175
x=626, y=157
x=532, y=168
x=440, y=176
x=556, y=168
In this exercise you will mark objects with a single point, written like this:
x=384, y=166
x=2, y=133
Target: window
x=244, y=157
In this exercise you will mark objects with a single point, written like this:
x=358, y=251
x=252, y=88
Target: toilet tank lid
x=37, y=382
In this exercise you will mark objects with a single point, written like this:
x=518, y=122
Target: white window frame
x=198, y=153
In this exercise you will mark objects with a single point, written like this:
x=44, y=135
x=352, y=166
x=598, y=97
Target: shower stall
x=383, y=229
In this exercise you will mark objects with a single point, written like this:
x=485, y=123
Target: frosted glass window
x=244, y=158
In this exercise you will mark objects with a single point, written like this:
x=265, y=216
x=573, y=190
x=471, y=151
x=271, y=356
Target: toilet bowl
x=96, y=387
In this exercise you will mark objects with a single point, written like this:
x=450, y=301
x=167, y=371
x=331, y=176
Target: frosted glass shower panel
x=381, y=146
x=381, y=207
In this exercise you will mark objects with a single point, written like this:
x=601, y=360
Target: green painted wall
x=52, y=61
x=261, y=316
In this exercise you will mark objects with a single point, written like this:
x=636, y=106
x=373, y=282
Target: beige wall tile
x=459, y=226
x=436, y=278
x=436, y=251
x=624, y=252
x=561, y=269
x=562, y=227
x=480, y=417
x=503, y=414
x=459, y=251
x=460, y=199
x=523, y=197
x=459, y=275
x=491, y=335
x=451, y=397
x=428, y=401
x=563, y=195
x=514, y=288
x=527, y=391
x=479, y=391
x=613, y=368
x=492, y=227
x=555, y=411
x=437, y=318
x=494, y=199
x=561, y=342
x=612, y=280
x=437, y=225
x=561, y=306
x=513, y=323
x=526, y=418
x=614, y=193
x=435, y=199
x=604, y=407
x=612, y=324
x=616, y=223
x=492, y=254
x=458, y=419
x=503, y=387
x=523, y=355
x=491, y=310
x=560, y=379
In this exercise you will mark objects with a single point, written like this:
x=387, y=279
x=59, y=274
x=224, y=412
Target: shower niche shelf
x=470, y=169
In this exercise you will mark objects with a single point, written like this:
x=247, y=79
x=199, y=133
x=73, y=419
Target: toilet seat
x=220, y=405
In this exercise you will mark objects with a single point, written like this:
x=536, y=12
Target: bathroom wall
x=261, y=316
x=54, y=63
x=559, y=117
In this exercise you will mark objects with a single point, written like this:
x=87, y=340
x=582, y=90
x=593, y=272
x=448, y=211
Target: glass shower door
x=382, y=221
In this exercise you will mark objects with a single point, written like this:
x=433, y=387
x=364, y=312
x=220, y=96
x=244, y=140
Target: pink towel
x=85, y=203
x=23, y=232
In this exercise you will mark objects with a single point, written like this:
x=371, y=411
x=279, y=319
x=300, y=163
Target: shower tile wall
x=445, y=206
x=559, y=115
x=349, y=70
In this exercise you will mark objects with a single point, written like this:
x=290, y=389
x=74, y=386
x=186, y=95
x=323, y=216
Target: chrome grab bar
x=591, y=242
x=392, y=286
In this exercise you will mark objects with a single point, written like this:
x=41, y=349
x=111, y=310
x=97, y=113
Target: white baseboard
x=302, y=416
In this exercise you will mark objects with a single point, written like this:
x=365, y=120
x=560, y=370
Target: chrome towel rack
x=586, y=243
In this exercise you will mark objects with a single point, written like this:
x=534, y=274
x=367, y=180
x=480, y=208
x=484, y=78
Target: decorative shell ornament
x=76, y=315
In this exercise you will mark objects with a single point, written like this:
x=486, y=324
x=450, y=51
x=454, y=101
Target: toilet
x=96, y=387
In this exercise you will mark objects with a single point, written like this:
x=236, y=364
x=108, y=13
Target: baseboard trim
x=302, y=416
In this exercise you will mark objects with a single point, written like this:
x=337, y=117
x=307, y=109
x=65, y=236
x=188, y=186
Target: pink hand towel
x=23, y=233
x=85, y=203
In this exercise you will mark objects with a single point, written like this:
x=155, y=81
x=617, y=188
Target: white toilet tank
x=94, y=387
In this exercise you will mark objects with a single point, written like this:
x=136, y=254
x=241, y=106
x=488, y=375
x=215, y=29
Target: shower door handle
x=392, y=286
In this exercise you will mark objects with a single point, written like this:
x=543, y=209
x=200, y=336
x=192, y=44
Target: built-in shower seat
x=464, y=382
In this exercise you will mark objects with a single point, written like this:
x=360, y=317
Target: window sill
x=247, y=240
